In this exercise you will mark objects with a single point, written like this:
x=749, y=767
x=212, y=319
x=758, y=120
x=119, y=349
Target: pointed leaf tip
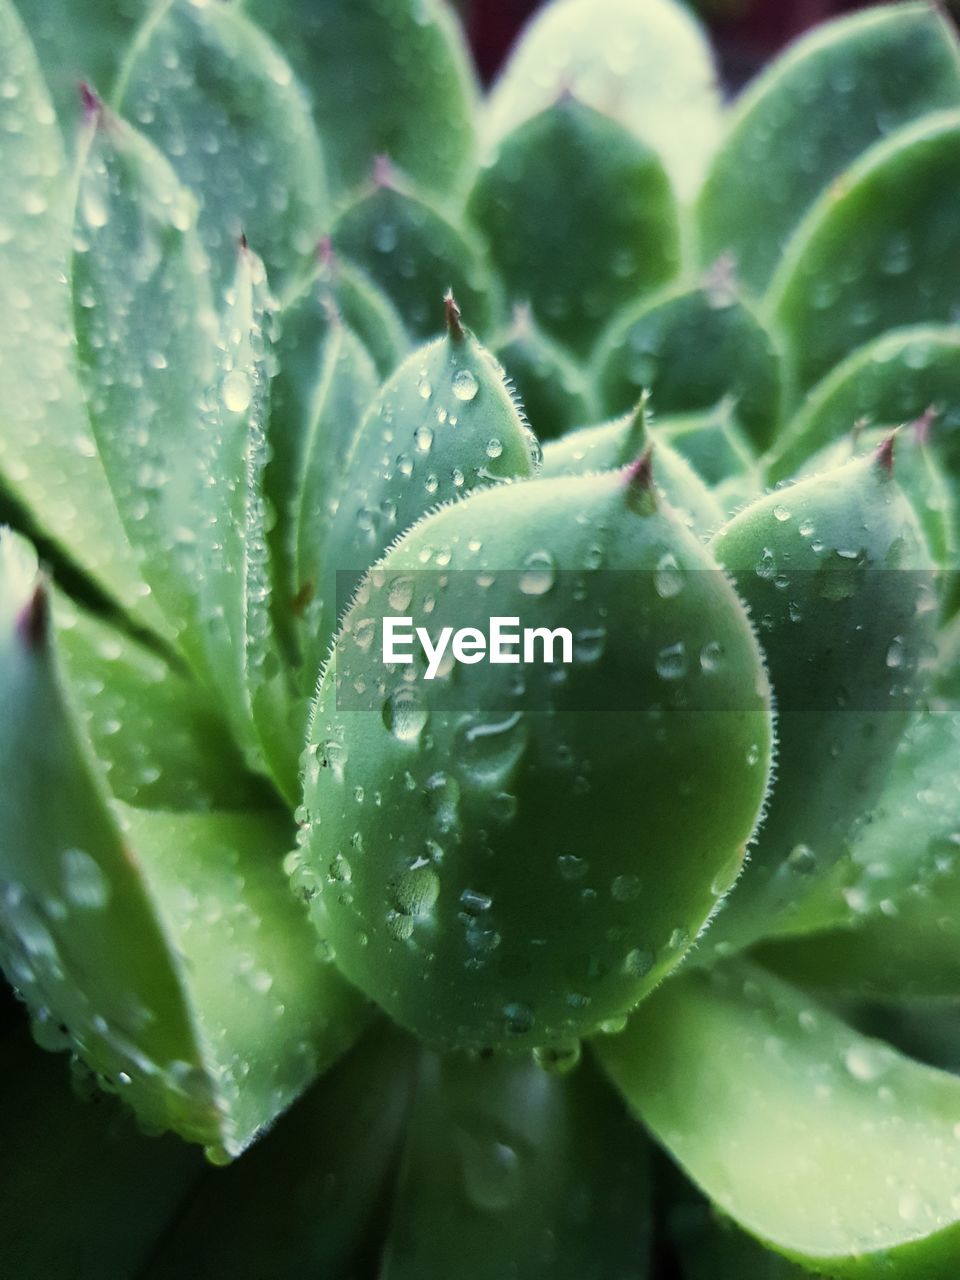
x=640, y=472
x=243, y=243
x=885, y=453
x=92, y=104
x=923, y=426
x=33, y=621
x=454, y=317
x=382, y=171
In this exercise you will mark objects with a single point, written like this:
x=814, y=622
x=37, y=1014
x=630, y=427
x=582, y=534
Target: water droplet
x=802, y=860
x=638, y=963
x=414, y=894
x=492, y=1173
x=519, y=1018
x=84, y=882
x=766, y=565
x=672, y=662
x=405, y=714
x=488, y=748
x=465, y=385
x=626, y=888
x=237, y=392
x=668, y=578
x=558, y=1059
x=539, y=573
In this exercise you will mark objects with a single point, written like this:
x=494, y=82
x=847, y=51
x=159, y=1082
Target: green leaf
x=325, y=381
x=48, y=459
x=308, y=1199
x=919, y=474
x=167, y=945
x=534, y=217
x=348, y=386
x=891, y=380
x=876, y=251
x=826, y=1146
x=836, y=572
x=387, y=77
x=157, y=734
x=232, y=562
x=714, y=444
x=178, y=402
x=146, y=332
x=449, y=425
x=80, y=40
x=711, y=1247
x=511, y=1170
x=552, y=387
x=84, y=1193
x=899, y=908
x=362, y=304
x=810, y=115
x=613, y=445
x=215, y=96
x=690, y=350
x=424, y=797
x=410, y=249
x=649, y=66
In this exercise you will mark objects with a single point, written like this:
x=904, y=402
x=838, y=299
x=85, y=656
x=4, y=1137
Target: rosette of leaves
x=652, y=965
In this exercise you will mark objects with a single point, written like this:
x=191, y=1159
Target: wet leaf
x=387, y=77
x=690, y=350
x=835, y=93
x=612, y=445
x=444, y=424
x=309, y=1197
x=552, y=387
x=877, y=250
x=831, y=1148
x=48, y=458
x=221, y=103
x=648, y=66
x=411, y=250
x=534, y=218
x=167, y=945
x=510, y=1168
x=836, y=573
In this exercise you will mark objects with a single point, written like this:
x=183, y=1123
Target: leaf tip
x=923, y=426
x=383, y=175
x=453, y=316
x=91, y=101
x=641, y=493
x=886, y=450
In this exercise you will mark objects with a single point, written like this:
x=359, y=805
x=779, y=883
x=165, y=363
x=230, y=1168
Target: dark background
x=746, y=33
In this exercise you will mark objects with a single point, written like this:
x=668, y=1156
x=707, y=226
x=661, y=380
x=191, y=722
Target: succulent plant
x=634, y=949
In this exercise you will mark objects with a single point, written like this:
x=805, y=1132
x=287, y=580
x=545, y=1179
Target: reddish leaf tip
x=454, y=318
x=885, y=453
x=33, y=621
x=923, y=426
x=92, y=105
x=383, y=171
x=640, y=472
